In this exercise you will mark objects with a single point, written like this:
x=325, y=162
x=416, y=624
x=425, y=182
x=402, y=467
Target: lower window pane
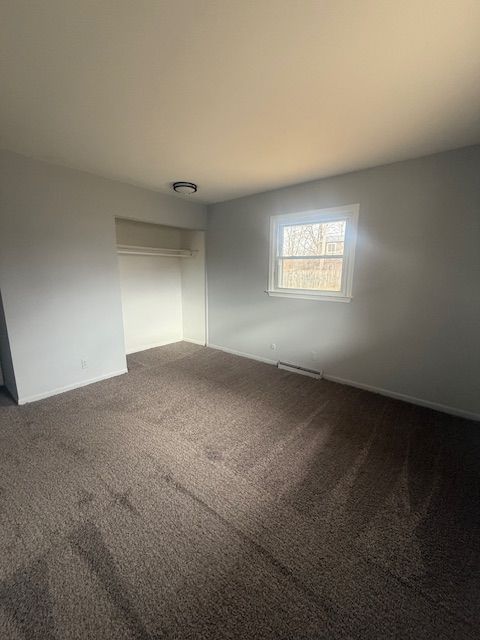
x=319, y=274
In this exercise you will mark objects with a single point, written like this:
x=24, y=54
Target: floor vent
x=295, y=368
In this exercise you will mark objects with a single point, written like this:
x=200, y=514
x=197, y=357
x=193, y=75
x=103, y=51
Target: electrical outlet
x=273, y=346
x=83, y=363
x=314, y=356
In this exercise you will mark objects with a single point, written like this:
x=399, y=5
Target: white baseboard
x=242, y=354
x=163, y=344
x=152, y=346
x=69, y=387
x=454, y=411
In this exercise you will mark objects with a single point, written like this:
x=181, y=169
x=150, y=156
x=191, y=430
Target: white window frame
x=349, y=213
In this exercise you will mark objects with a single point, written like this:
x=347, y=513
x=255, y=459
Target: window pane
x=324, y=274
x=315, y=239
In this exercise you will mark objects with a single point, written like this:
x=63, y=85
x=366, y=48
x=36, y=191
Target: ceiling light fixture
x=184, y=187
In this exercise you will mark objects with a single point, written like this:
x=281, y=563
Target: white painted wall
x=151, y=301
x=59, y=274
x=163, y=299
x=147, y=235
x=7, y=372
x=151, y=286
x=412, y=327
x=7, y=376
x=193, y=287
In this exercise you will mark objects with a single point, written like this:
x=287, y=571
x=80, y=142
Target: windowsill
x=321, y=297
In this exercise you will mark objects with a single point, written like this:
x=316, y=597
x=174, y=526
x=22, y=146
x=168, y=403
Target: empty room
x=240, y=319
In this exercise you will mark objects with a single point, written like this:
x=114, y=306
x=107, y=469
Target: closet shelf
x=127, y=249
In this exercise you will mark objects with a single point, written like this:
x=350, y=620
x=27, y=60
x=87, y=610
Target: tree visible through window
x=313, y=253
x=305, y=261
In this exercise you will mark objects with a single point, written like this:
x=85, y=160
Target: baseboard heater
x=295, y=368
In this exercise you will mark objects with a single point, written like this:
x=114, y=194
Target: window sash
x=326, y=256
x=278, y=276
x=279, y=257
x=348, y=214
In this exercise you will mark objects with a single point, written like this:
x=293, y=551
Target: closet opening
x=162, y=281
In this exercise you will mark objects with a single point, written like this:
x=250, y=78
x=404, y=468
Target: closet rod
x=126, y=249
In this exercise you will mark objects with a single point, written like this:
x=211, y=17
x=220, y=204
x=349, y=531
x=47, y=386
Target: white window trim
x=346, y=212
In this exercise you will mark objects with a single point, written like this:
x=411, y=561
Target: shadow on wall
x=6, y=362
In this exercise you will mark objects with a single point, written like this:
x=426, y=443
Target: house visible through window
x=331, y=248
x=311, y=254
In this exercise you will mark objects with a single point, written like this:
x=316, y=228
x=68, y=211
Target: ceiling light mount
x=184, y=188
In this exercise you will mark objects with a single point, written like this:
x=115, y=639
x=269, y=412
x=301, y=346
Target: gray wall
x=59, y=273
x=413, y=326
x=7, y=376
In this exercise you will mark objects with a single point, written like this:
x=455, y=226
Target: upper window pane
x=313, y=239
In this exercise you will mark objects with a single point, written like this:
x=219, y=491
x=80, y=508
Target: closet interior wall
x=163, y=297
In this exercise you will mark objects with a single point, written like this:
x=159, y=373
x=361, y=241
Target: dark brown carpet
x=204, y=495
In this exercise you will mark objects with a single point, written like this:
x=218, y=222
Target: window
x=331, y=248
x=312, y=254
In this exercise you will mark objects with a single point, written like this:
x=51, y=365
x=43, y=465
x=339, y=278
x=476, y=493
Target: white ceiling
x=239, y=96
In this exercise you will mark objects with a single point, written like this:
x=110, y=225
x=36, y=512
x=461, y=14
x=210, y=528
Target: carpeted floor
x=204, y=495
